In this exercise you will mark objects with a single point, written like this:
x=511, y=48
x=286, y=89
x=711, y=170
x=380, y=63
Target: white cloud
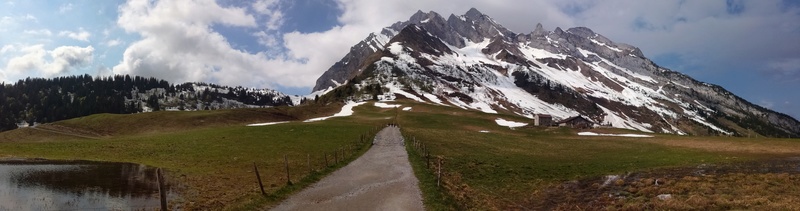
x=104, y=71
x=114, y=42
x=66, y=57
x=32, y=60
x=81, y=34
x=267, y=40
x=31, y=18
x=7, y=48
x=179, y=45
x=40, y=32
x=61, y=60
x=270, y=9
x=64, y=8
x=8, y=23
x=6, y=20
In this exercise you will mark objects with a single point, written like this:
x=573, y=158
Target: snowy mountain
x=472, y=62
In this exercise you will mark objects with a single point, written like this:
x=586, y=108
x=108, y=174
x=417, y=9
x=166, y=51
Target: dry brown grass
x=33, y=135
x=766, y=146
x=104, y=126
x=757, y=185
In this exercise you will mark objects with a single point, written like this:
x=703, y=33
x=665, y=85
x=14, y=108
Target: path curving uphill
x=381, y=179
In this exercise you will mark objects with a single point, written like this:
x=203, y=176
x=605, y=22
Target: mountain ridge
x=479, y=64
x=39, y=100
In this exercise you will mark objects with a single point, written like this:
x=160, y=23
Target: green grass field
x=214, y=161
x=511, y=169
x=211, y=153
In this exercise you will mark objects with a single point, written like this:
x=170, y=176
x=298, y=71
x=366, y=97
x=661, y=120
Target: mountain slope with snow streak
x=472, y=62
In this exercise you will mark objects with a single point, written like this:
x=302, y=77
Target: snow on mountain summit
x=472, y=62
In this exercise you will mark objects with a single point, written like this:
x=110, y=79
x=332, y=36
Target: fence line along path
x=381, y=179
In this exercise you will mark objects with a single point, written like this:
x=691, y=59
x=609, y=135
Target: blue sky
x=751, y=48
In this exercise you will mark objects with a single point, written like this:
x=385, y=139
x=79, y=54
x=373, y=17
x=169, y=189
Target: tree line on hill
x=39, y=100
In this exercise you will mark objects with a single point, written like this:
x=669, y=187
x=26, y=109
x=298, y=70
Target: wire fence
x=299, y=167
x=294, y=169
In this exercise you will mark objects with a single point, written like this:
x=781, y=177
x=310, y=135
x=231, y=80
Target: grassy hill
x=212, y=153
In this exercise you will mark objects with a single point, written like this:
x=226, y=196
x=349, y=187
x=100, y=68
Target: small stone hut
x=542, y=120
x=578, y=122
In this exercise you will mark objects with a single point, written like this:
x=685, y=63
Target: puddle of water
x=78, y=185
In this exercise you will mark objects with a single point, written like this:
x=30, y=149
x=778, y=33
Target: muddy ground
x=766, y=184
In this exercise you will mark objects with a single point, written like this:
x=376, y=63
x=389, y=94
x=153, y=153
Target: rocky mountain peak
x=419, y=41
x=474, y=14
x=421, y=17
x=558, y=31
x=582, y=31
x=538, y=31
x=472, y=62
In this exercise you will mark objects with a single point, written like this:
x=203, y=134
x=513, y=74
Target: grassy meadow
x=522, y=168
x=211, y=154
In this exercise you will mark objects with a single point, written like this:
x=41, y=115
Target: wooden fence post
x=427, y=155
x=286, y=161
x=260, y=184
x=428, y=161
x=162, y=192
x=439, y=175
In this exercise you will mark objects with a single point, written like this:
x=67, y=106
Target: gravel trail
x=381, y=179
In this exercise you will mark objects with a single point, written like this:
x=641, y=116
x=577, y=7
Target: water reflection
x=77, y=185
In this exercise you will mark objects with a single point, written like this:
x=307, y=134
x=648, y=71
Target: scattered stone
x=610, y=179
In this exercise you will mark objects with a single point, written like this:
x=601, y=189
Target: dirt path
x=381, y=179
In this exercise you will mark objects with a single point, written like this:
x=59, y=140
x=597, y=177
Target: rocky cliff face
x=472, y=62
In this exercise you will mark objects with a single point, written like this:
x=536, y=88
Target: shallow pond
x=78, y=185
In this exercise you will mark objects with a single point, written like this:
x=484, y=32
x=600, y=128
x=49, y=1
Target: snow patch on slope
x=607, y=46
x=433, y=98
x=623, y=121
x=507, y=123
x=266, y=123
x=384, y=105
x=347, y=110
x=617, y=135
x=395, y=89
